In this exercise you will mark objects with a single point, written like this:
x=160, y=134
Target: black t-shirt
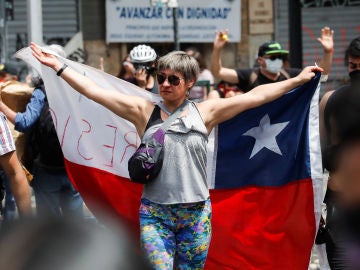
x=245, y=74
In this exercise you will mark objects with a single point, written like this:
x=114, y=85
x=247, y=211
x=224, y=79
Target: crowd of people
x=42, y=155
x=179, y=196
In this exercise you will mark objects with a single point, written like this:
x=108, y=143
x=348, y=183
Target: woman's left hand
x=308, y=73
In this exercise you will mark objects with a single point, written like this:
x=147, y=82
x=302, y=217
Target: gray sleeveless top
x=182, y=178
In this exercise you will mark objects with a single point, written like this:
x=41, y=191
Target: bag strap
x=253, y=82
x=253, y=76
x=165, y=125
x=284, y=72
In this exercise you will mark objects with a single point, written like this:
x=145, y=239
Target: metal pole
x=295, y=34
x=173, y=4
x=176, y=33
x=34, y=19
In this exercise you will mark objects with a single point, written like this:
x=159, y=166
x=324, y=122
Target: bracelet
x=61, y=69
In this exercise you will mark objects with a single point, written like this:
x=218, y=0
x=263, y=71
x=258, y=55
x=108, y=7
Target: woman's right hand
x=44, y=58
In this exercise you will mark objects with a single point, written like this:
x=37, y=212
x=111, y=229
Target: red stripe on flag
x=253, y=228
x=262, y=228
x=106, y=193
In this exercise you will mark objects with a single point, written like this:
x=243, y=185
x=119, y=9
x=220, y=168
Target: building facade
x=261, y=20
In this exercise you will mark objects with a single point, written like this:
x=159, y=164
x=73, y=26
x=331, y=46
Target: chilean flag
x=264, y=169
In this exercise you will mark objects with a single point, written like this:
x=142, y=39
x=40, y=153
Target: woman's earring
x=188, y=92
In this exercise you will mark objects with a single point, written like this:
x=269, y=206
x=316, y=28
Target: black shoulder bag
x=145, y=164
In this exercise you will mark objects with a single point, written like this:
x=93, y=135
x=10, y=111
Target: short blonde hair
x=180, y=62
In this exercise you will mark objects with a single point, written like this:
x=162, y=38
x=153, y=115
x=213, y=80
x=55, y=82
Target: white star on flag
x=265, y=135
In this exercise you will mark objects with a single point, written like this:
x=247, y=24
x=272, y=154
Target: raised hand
x=101, y=63
x=327, y=39
x=221, y=38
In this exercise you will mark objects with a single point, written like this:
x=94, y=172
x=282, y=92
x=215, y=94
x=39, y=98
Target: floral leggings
x=175, y=236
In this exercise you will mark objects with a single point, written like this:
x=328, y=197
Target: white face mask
x=273, y=66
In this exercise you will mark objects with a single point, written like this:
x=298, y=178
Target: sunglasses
x=353, y=65
x=172, y=79
x=274, y=57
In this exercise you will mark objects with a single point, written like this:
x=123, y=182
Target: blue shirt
x=25, y=120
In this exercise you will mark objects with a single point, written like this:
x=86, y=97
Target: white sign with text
x=138, y=21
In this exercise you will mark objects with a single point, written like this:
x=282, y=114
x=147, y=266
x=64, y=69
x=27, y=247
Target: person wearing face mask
x=340, y=143
x=271, y=59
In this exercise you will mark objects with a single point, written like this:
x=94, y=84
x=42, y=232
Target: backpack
x=42, y=143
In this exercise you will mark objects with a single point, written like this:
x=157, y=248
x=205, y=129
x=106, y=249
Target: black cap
x=271, y=47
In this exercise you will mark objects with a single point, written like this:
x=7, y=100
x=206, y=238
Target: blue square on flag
x=267, y=146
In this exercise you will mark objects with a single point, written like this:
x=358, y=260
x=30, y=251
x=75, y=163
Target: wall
x=60, y=23
x=93, y=28
x=339, y=15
